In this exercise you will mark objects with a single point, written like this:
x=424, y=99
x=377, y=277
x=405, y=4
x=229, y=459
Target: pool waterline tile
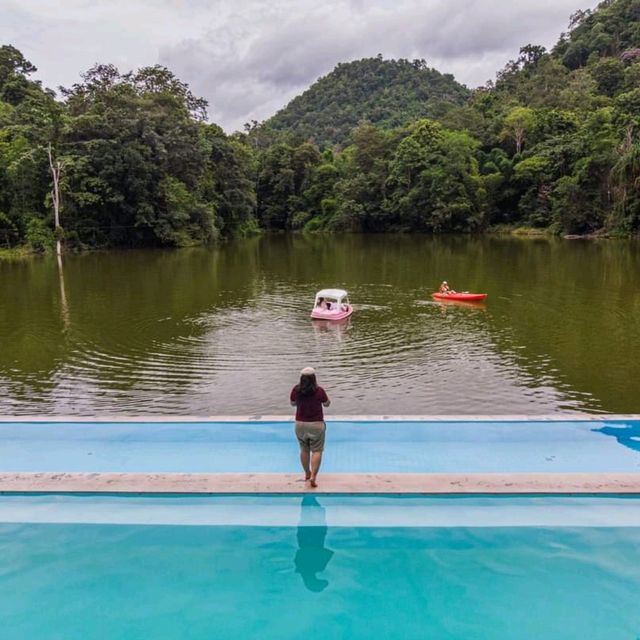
x=321, y=510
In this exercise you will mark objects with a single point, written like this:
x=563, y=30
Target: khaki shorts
x=311, y=435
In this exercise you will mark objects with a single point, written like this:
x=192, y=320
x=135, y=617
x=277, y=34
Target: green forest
x=375, y=146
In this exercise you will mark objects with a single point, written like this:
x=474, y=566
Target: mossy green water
x=227, y=329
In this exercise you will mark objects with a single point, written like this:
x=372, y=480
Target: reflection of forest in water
x=182, y=331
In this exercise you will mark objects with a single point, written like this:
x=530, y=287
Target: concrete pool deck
x=410, y=455
x=344, y=483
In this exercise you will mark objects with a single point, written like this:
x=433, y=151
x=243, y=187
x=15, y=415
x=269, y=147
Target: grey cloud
x=249, y=57
x=304, y=40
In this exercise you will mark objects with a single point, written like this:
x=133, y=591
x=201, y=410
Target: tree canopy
x=139, y=164
x=377, y=145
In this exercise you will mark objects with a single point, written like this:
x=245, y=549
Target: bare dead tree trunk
x=55, y=168
x=519, y=138
x=628, y=135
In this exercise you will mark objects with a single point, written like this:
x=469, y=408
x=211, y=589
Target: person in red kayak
x=445, y=289
x=309, y=398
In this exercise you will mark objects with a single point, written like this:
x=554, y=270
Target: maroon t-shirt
x=309, y=408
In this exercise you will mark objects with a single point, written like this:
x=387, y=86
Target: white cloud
x=249, y=57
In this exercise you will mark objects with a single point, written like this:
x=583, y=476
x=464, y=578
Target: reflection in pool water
x=312, y=557
x=627, y=435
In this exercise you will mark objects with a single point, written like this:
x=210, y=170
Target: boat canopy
x=334, y=294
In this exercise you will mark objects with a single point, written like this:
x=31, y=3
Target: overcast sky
x=248, y=58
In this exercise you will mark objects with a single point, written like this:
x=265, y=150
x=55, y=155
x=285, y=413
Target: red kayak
x=467, y=297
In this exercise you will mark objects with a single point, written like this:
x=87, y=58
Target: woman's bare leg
x=316, y=460
x=305, y=457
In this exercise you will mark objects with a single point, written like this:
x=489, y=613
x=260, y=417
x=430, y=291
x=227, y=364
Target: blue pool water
x=352, y=446
x=93, y=568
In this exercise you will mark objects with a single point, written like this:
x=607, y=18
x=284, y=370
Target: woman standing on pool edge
x=309, y=398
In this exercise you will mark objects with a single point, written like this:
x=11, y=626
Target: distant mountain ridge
x=388, y=93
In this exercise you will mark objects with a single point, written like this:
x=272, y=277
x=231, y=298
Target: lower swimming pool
x=168, y=567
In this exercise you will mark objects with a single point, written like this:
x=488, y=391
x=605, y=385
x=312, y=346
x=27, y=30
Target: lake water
x=226, y=330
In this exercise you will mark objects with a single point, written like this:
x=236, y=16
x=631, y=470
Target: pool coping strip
x=561, y=417
x=330, y=483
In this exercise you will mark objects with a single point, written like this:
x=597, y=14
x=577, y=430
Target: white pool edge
x=558, y=417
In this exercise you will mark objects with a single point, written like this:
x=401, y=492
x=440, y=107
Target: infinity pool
x=105, y=567
x=352, y=446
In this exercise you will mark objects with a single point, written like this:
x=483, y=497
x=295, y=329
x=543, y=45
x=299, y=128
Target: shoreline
x=24, y=252
x=17, y=253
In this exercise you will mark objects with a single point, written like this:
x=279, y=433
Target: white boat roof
x=331, y=293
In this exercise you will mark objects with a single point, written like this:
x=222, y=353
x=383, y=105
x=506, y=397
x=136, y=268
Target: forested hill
x=387, y=93
x=553, y=144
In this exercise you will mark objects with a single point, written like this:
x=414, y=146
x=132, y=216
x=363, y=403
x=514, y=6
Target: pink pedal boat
x=331, y=304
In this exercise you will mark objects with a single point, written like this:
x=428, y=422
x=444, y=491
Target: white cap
x=308, y=371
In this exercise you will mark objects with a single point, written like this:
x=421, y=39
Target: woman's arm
x=327, y=402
